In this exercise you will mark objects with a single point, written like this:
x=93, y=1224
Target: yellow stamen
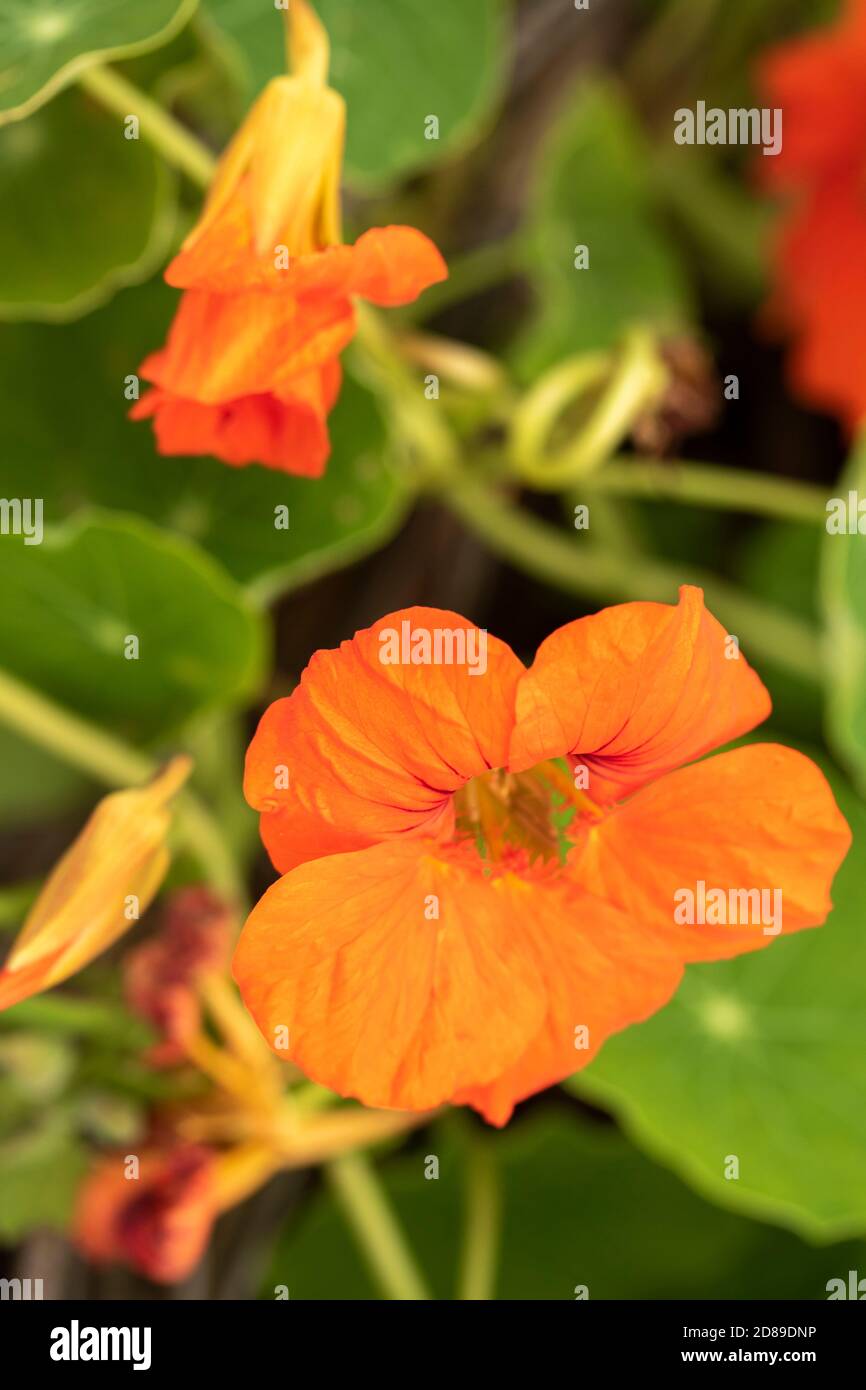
x=551, y=772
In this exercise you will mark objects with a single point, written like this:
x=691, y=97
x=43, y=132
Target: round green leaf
x=397, y=63
x=760, y=1058
x=93, y=210
x=70, y=454
x=94, y=584
x=45, y=44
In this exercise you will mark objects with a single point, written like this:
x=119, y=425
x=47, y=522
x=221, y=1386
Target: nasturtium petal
x=376, y=746
x=634, y=691
x=397, y=974
x=759, y=818
x=602, y=971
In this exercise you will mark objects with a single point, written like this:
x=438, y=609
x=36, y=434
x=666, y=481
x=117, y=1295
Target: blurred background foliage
x=555, y=129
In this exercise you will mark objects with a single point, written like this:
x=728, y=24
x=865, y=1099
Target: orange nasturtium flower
x=819, y=83
x=251, y=366
x=439, y=932
x=106, y=878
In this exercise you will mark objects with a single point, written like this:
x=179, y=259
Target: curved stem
x=710, y=485
x=374, y=1224
x=634, y=379
x=112, y=762
x=550, y=555
x=483, y=1216
x=541, y=407
x=173, y=141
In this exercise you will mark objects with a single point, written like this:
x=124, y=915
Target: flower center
x=532, y=811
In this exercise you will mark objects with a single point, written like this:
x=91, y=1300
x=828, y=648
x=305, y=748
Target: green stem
x=111, y=761
x=178, y=145
x=483, y=1218
x=633, y=380
x=368, y=1213
x=709, y=485
x=548, y=554
x=417, y=423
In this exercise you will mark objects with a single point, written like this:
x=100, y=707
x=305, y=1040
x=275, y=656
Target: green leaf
x=92, y=210
x=93, y=584
x=580, y=1206
x=40, y=1171
x=760, y=1057
x=70, y=454
x=45, y=44
x=595, y=191
x=397, y=62
x=843, y=597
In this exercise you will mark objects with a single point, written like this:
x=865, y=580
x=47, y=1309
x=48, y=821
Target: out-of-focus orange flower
x=437, y=935
x=161, y=976
x=251, y=366
x=98, y=889
x=155, y=1217
x=819, y=298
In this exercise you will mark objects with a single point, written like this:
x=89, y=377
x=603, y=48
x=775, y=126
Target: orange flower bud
x=101, y=885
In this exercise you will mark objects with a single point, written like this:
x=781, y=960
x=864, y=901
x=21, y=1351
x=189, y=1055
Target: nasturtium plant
x=748, y=1084
x=275, y=274
x=46, y=44
x=74, y=240
x=436, y=72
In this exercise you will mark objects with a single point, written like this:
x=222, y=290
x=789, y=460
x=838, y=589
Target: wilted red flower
x=159, y=1221
x=819, y=267
x=161, y=975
